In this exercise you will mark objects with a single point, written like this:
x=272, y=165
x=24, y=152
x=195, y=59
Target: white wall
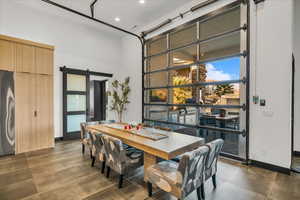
x=271, y=74
x=78, y=43
x=270, y=126
x=132, y=67
x=297, y=75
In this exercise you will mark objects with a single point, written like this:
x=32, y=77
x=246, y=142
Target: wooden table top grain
x=167, y=148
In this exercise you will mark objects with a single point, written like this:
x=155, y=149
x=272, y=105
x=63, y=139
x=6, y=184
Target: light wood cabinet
x=25, y=58
x=33, y=66
x=44, y=61
x=34, y=112
x=44, y=108
x=25, y=112
x=33, y=59
x=7, y=55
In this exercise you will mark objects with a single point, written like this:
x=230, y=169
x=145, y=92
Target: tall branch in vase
x=120, y=97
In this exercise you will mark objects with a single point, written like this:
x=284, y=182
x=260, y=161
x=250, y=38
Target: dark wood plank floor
x=64, y=173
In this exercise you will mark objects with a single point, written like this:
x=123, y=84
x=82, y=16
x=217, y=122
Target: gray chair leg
x=202, y=191
x=214, y=181
x=199, y=193
x=149, y=185
x=120, y=181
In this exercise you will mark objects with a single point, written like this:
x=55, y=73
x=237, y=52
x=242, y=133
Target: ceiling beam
x=94, y=19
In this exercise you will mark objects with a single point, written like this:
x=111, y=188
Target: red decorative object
x=138, y=127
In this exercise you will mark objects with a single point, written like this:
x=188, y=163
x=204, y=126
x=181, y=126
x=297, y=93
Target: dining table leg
x=149, y=160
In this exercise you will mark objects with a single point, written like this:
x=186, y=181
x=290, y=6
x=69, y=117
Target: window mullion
x=168, y=77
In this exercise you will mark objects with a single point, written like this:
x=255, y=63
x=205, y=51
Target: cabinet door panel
x=7, y=55
x=25, y=58
x=44, y=61
x=25, y=86
x=44, y=107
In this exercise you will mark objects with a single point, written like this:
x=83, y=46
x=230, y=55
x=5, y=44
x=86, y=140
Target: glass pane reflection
x=76, y=83
x=158, y=79
x=184, y=56
x=73, y=122
x=76, y=103
x=183, y=37
x=156, y=96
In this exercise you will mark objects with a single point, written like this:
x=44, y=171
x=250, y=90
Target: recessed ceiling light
x=117, y=19
x=142, y=1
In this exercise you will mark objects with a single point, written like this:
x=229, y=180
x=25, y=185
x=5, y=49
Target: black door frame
x=65, y=113
x=102, y=98
x=293, y=107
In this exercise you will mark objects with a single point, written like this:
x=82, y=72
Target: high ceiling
x=132, y=14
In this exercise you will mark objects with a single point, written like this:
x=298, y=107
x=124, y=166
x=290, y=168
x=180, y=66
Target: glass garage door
x=195, y=79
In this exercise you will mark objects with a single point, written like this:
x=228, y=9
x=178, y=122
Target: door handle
x=35, y=113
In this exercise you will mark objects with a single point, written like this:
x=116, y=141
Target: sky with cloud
x=223, y=70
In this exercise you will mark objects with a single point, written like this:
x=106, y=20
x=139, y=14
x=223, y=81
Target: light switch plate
x=262, y=102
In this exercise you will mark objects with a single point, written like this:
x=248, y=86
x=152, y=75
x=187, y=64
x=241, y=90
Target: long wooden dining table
x=169, y=147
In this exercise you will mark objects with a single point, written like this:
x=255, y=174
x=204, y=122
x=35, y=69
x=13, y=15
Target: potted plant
x=120, y=97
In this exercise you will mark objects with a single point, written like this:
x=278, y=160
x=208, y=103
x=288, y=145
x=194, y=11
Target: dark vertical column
x=7, y=113
x=100, y=100
x=64, y=113
x=88, y=96
x=103, y=100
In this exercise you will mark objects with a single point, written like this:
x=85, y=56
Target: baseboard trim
x=270, y=167
x=233, y=157
x=57, y=139
x=297, y=153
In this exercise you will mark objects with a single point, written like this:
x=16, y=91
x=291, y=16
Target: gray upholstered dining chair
x=84, y=137
x=211, y=165
x=119, y=159
x=97, y=149
x=180, y=179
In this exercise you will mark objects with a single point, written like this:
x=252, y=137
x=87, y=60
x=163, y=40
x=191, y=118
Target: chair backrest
x=99, y=146
x=114, y=152
x=215, y=148
x=191, y=169
x=93, y=141
x=83, y=125
x=96, y=139
x=82, y=130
